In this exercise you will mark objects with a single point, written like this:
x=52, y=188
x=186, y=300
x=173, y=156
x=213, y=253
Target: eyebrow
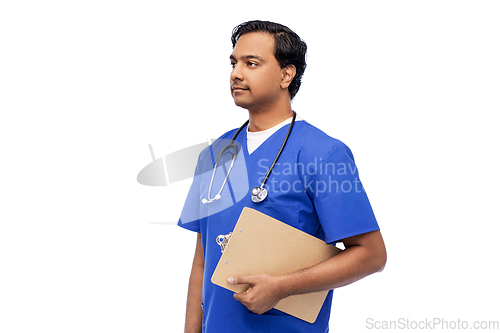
x=246, y=57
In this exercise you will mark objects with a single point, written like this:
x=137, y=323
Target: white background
x=410, y=86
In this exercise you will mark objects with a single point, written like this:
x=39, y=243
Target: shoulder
x=229, y=134
x=217, y=145
x=313, y=142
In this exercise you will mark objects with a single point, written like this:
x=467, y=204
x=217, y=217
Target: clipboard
x=260, y=244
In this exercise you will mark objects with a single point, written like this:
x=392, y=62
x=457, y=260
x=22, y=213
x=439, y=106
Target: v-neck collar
x=244, y=143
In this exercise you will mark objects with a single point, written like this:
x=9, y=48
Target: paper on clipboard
x=261, y=244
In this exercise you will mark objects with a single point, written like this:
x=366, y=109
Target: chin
x=241, y=104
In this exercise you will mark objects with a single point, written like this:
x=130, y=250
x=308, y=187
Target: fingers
x=241, y=280
x=259, y=297
x=235, y=281
x=246, y=300
x=232, y=280
x=238, y=297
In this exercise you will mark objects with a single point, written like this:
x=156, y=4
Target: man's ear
x=289, y=72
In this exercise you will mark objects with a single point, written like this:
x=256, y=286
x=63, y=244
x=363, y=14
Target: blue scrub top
x=314, y=187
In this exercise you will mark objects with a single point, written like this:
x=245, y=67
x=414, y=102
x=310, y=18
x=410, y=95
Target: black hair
x=289, y=49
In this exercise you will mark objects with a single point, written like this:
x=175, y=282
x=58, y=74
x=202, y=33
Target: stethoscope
x=258, y=193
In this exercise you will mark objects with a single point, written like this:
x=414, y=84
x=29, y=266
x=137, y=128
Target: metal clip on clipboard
x=222, y=240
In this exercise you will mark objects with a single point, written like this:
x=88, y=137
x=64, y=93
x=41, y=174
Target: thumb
x=240, y=280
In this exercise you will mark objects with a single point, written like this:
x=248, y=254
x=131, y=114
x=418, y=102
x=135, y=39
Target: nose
x=236, y=73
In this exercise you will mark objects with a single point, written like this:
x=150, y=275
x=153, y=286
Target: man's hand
x=363, y=255
x=263, y=293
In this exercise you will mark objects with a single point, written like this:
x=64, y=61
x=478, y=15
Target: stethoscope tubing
x=259, y=193
x=280, y=151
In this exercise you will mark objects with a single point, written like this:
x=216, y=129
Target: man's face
x=256, y=76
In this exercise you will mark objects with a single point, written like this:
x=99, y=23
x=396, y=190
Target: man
x=314, y=187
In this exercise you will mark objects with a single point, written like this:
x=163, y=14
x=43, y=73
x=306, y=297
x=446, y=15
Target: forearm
x=194, y=312
x=364, y=254
x=352, y=264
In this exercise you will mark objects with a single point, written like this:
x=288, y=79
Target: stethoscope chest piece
x=259, y=194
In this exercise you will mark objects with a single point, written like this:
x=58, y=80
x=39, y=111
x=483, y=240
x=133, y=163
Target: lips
x=238, y=88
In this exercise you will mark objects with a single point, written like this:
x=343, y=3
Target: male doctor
x=315, y=187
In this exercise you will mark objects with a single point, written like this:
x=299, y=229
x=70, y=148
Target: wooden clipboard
x=261, y=244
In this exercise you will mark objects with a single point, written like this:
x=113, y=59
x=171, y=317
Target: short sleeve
x=190, y=216
x=339, y=198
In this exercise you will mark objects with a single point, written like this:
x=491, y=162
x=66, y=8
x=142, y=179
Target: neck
x=264, y=119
